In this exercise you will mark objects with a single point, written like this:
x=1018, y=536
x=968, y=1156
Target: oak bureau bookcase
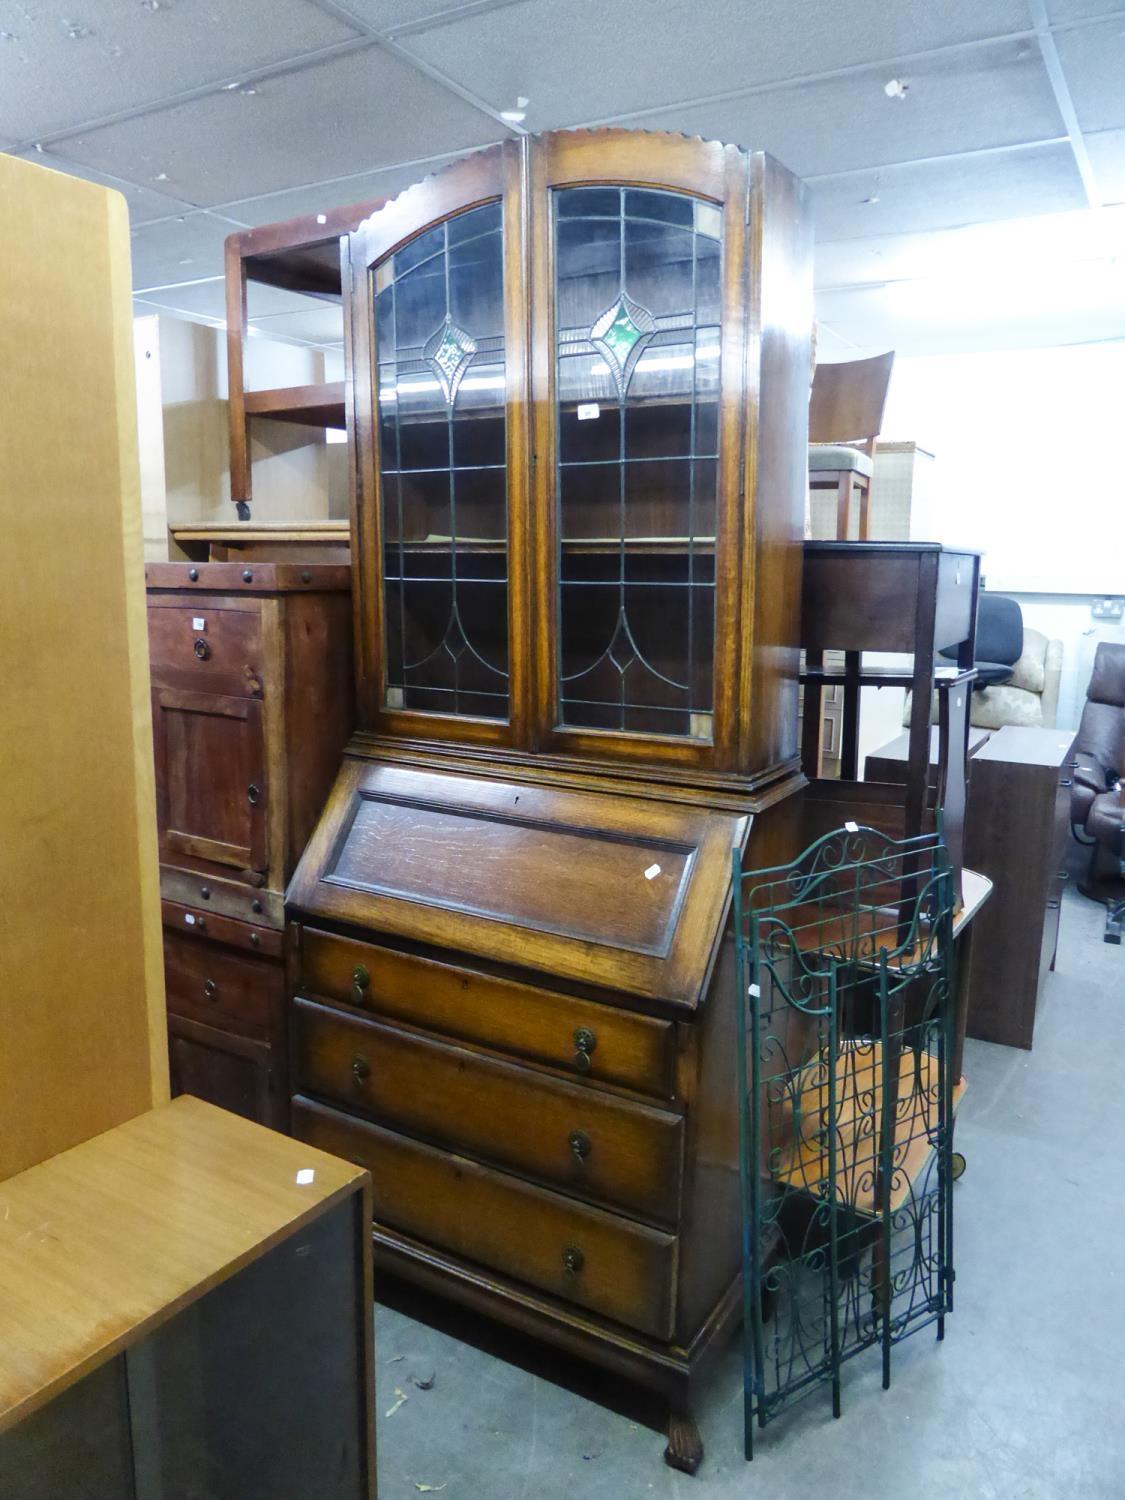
x=578, y=410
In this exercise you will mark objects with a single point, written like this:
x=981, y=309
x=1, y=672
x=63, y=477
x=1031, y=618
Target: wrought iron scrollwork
x=845, y=974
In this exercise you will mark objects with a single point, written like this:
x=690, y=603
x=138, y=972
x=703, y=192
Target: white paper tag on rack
x=198, y=623
x=851, y=827
x=652, y=872
x=588, y=411
x=755, y=992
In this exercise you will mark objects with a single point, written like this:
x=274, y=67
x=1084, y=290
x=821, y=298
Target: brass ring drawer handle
x=361, y=1068
x=580, y=1144
x=585, y=1041
x=573, y=1260
x=360, y=980
x=210, y=989
x=201, y=648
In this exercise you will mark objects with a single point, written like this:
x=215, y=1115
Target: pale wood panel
x=105, y=1242
x=150, y=436
x=81, y=989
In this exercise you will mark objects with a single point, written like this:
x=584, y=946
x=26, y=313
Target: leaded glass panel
x=637, y=276
x=439, y=334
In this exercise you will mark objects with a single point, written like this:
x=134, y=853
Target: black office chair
x=999, y=640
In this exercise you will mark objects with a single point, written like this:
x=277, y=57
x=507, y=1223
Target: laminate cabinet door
x=211, y=793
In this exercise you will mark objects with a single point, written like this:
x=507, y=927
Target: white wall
x=184, y=432
x=1025, y=447
x=1026, y=469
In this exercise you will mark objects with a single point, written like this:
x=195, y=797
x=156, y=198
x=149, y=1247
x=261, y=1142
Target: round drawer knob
x=361, y=1068
x=585, y=1041
x=210, y=989
x=573, y=1260
x=253, y=794
x=360, y=979
x=201, y=648
x=247, y=576
x=580, y=1144
x=193, y=574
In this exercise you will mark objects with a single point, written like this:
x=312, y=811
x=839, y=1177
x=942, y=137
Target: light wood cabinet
x=196, y=1322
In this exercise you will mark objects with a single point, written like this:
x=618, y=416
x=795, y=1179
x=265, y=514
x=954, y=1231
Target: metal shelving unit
x=845, y=962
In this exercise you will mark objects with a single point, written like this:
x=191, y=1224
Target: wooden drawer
x=223, y=655
x=619, y=1269
x=211, y=926
x=589, y=1142
x=220, y=987
x=590, y=1040
x=229, y=1071
x=231, y=898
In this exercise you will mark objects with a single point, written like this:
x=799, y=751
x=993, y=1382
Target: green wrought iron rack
x=845, y=965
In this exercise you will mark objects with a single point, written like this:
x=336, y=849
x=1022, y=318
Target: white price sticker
x=851, y=827
x=652, y=872
x=589, y=411
x=198, y=623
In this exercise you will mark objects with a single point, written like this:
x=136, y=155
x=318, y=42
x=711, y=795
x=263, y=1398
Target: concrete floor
x=1025, y=1398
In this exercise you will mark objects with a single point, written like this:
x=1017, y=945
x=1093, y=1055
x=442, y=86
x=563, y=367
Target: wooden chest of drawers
x=545, y=1144
x=1019, y=821
x=252, y=700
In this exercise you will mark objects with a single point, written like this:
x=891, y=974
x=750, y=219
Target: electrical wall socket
x=1108, y=609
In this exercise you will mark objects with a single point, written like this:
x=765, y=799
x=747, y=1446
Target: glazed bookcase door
x=438, y=419
x=639, y=266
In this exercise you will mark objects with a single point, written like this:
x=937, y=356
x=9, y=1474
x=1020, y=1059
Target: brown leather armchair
x=1097, y=798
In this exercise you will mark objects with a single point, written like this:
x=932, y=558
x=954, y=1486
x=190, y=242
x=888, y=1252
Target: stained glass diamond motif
x=448, y=353
x=620, y=336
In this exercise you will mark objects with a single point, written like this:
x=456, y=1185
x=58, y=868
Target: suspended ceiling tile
x=1080, y=10
x=912, y=335
x=66, y=62
x=314, y=325
x=264, y=301
x=886, y=257
x=350, y=114
x=831, y=345
x=320, y=197
x=392, y=16
x=995, y=94
x=597, y=59
x=939, y=195
x=206, y=299
x=144, y=203
x=1093, y=61
x=177, y=250
x=1107, y=154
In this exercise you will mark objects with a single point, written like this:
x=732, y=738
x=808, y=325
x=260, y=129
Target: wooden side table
x=889, y=762
x=910, y=598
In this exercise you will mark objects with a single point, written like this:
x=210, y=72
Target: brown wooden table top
x=106, y=1241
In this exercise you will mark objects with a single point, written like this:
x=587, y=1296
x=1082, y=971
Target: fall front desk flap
x=608, y=890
